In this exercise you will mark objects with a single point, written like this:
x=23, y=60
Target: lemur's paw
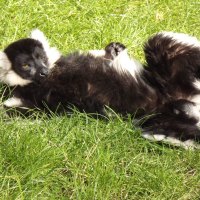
x=113, y=50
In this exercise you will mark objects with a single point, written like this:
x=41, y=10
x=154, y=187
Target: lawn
x=78, y=157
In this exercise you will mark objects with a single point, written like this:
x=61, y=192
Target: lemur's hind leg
x=176, y=123
x=113, y=49
x=110, y=52
x=121, y=60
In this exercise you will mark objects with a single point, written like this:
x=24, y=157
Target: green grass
x=79, y=157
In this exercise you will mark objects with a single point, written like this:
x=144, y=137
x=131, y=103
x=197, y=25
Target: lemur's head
x=27, y=60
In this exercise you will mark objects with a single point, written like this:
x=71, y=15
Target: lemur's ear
x=52, y=53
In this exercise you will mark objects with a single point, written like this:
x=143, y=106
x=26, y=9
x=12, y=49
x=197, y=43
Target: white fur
x=188, y=144
x=5, y=64
x=52, y=53
x=36, y=34
x=176, y=111
x=97, y=53
x=193, y=110
x=13, y=102
x=196, y=83
x=182, y=38
x=13, y=79
x=153, y=137
x=7, y=75
x=196, y=98
x=123, y=63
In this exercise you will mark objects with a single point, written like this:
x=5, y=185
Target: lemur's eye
x=26, y=67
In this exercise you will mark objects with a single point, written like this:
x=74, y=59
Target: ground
x=79, y=157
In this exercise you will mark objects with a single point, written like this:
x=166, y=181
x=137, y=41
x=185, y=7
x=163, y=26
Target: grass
x=79, y=157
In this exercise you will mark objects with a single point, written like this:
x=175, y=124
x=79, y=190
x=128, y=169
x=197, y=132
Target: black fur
x=172, y=120
x=28, y=59
x=175, y=65
x=91, y=83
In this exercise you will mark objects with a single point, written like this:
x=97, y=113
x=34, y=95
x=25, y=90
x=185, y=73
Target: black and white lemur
x=166, y=90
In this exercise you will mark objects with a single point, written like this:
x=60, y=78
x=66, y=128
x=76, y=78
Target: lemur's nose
x=44, y=72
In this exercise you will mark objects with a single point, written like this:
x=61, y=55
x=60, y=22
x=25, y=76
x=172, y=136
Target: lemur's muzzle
x=41, y=74
x=44, y=72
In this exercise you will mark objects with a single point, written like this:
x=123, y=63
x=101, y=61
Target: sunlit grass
x=78, y=157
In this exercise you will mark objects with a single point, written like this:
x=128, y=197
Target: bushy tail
x=167, y=53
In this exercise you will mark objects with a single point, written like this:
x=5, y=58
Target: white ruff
x=52, y=53
x=7, y=75
x=12, y=79
x=182, y=38
x=5, y=64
